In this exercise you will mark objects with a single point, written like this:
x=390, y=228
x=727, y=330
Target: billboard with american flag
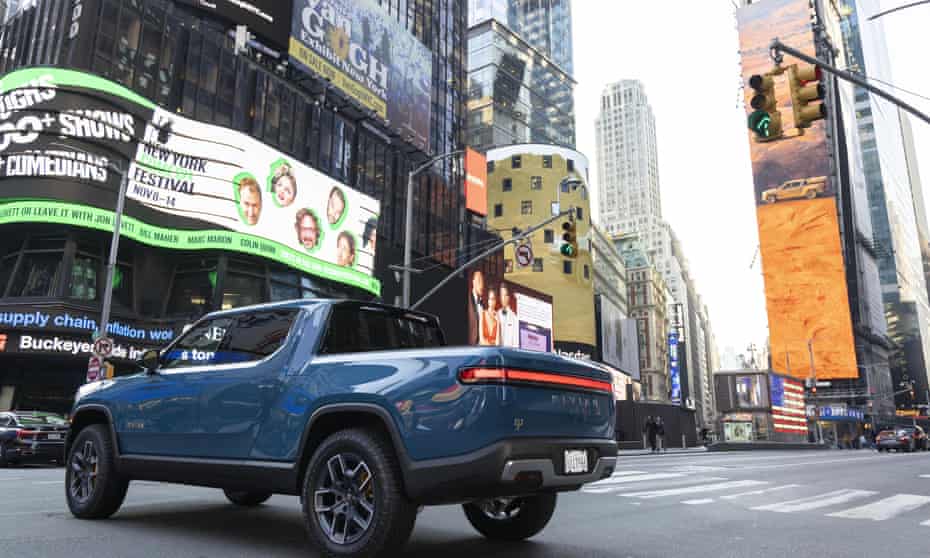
x=789, y=414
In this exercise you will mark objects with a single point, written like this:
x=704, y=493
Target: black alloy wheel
x=93, y=487
x=344, y=499
x=353, y=499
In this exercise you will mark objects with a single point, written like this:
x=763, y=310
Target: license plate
x=576, y=461
x=54, y=436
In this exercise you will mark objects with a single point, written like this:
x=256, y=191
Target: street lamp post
x=408, y=225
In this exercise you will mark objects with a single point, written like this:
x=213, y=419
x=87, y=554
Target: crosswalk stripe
x=627, y=473
x=757, y=492
x=886, y=508
x=597, y=488
x=697, y=502
x=815, y=502
x=637, y=478
x=694, y=489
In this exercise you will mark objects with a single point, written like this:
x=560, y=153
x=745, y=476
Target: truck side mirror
x=150, y=360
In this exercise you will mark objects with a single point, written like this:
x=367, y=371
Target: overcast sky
x=687, y=55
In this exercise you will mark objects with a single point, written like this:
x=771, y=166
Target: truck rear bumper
x=508, y=468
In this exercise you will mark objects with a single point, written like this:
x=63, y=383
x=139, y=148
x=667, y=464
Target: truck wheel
x=353, y=499
x=93, y=487
x=811, y=194
x=771, y=199
x=247, y=499
x=511, y=519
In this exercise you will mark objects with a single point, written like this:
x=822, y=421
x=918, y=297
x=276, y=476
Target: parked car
x=902, y=438
x=808, y=188
x=358, y=408
x=32, y=437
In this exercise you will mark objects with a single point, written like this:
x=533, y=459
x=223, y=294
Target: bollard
x=683, y=442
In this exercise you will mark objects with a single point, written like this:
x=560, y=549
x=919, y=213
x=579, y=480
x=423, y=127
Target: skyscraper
x=521, y=88
x=544, y=24
x=899, y=225
x=627, y=159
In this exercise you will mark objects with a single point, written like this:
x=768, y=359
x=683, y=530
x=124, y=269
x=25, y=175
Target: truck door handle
x=267, y=386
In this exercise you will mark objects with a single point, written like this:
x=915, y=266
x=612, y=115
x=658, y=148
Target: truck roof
x=304, y=302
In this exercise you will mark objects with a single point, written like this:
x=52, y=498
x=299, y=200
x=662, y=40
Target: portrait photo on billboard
x=191, y=185
x=504, y=314
x=368, y=55
x=795, y=168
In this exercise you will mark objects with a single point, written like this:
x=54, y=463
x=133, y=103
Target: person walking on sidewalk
x=650, y=430
x=660, y=434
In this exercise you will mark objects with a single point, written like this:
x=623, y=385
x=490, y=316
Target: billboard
x=802, y=260
x=269, y=20
x=674, y=372
x=508, y=315
x=476, y=182
x=368, y=55
x=617, y=338
x=190, y=185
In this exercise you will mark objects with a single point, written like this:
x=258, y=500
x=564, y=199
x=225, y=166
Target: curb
x=751, y=446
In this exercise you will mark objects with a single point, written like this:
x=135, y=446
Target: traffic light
x=569, y=247
x=765, y=120
x=806, y=95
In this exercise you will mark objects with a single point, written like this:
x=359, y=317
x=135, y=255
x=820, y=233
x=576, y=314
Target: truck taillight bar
x=511, y=376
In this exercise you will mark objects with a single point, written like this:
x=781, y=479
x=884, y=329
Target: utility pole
x=810, y=351
x=499, y=246
x=777, y=48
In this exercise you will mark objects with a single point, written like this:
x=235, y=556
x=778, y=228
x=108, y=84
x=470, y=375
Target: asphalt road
x=762, y=504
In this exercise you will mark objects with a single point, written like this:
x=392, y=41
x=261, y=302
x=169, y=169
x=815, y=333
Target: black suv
x=32, y=436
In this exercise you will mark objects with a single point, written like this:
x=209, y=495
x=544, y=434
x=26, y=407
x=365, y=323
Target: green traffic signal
x=760, y=122
x=567, y=250
x=765, y=119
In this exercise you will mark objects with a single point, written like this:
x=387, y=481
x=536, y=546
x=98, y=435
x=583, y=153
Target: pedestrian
x=649, y=430
x=660, y=433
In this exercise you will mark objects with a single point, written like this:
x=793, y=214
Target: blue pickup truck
x=358, y=408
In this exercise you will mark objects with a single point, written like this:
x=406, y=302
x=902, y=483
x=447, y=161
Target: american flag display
x=788, y=407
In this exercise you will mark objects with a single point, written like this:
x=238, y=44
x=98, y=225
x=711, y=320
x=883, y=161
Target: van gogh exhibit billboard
x=191, y=185
x=367, y=54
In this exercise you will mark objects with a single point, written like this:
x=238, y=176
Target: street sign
x=524, y=255
x=103, y=347
x=94, y=366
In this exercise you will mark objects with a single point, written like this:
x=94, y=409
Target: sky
x=687, y=55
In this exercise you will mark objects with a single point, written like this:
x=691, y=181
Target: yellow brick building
x=523, y=185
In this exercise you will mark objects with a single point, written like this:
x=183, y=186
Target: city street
x=824, y=503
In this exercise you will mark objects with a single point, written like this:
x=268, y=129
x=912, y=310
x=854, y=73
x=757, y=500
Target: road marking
x=925, y=476
x=627, y=473
x=595, y=488
x=697, y=502
x=637, y=478
x=699, y=469
x=49, y=482
x=815, y=502
x=757, y=492
x=886, y=508
x=694, y=489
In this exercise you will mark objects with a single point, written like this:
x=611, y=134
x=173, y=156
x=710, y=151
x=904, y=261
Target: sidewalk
x=670, y=451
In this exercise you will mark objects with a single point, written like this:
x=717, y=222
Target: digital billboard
x=476, y=182
x=802, y=260
x=673, y=370
x=617, y=338
x=507, y=314
x=367, y=54
x=269, y=20
x=190, y=185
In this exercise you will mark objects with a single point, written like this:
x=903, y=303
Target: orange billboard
x=810, y=325
x=476, y=182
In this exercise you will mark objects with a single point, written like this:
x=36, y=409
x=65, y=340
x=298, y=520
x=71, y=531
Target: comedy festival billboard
x=190, y=185
x=506, y=314
x=802, y=259
x=368, y=55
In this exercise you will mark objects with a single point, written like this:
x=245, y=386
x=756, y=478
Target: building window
x=537, y=264
x=548, y=236
x=498, y=210
x=587, y=272
x=579, y=213
x=39, y=268
x=571, y=165
x=192, y=287
x=242, y=286
x=516, y=162
x=567, y=267
x=507, y=185
x=535, y=183
x=547, y=161
x=490, y=166
x=508, y=266
x=526, y=207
